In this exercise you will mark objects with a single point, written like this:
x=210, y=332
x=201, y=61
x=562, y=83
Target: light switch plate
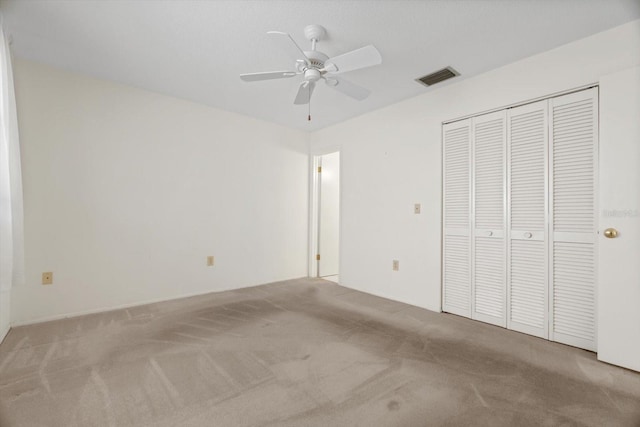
x=416, y=208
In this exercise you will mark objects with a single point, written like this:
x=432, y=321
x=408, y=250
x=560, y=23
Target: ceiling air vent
x=438, y=76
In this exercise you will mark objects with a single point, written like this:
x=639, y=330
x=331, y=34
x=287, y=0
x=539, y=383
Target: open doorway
x=326, y=209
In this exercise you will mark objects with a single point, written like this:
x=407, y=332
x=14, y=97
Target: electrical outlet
x=47, y=278
x=396, y=265
x=210, y=261
x=416, y=208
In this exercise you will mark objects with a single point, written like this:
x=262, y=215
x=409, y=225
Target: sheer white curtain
x=11, y=215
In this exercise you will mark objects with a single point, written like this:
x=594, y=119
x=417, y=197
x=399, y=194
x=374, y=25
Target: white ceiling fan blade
x=270, y=75
x=304, y=93
x=348, y=88
x=354, y=60
x=288, y=45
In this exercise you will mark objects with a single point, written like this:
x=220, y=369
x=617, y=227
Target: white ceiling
x=196, y=49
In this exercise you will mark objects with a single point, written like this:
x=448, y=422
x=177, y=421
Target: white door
x=619, y=257
x=527, y=285
x=489, y=218
x=329, y=217
x=572, y=194
x=456, y=268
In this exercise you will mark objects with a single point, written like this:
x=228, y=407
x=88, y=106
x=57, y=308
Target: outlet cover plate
x=47, y=278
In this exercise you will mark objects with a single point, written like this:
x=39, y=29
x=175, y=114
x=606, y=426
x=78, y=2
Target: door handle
x=611, y=233
x=528, y=235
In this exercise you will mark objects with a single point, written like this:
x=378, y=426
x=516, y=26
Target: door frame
x=314, y=208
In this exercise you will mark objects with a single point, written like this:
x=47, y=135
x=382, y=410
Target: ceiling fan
x=314, y=65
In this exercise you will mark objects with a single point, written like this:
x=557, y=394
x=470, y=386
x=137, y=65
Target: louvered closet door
x=573, y=159
x=527, y=285
x=457, y=194
x=489, y=218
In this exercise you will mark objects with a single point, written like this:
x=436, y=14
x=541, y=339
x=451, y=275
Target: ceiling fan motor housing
x=316, y=59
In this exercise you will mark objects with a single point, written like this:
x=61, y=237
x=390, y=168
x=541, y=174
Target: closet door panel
x=456, y=269
x=489, y=218
x=573, y=174
x=489, y=293
x=528, y=288
x=527, y=284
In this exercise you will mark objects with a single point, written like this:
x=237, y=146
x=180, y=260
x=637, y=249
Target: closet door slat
x=573, y=156
x=489, y=218
x=527, y=285
x=456, y=268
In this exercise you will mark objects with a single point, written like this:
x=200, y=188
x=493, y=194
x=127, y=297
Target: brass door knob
x=611, y=233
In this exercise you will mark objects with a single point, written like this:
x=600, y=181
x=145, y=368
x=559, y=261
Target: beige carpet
x=301, y=353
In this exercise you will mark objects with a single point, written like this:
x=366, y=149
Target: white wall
x=391, y=159
x=127, y=192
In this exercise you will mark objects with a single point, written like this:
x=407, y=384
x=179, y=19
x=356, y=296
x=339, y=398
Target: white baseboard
x=113, y=308
x=129, y=305
x=393, y=298
x=4, y=333
x=5, y=317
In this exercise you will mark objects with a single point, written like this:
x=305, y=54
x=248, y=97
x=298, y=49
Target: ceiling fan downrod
x=314, y=33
